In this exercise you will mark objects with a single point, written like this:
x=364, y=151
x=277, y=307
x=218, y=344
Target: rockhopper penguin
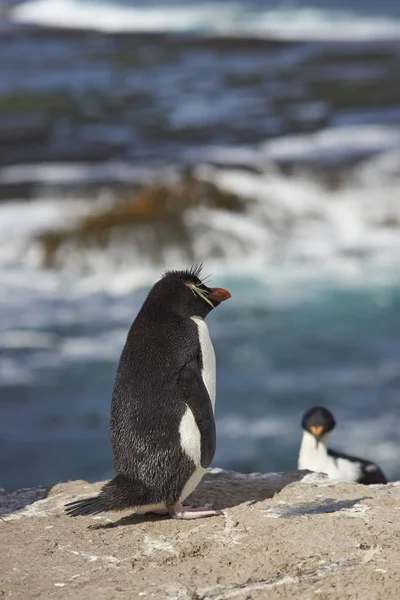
x=162, y=410
x=317, y=423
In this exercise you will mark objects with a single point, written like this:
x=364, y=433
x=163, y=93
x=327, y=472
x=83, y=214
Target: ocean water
x=295, y=107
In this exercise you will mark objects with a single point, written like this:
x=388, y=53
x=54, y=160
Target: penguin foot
x=177, y=511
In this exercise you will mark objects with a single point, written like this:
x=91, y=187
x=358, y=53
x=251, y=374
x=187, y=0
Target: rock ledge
x=282, y=535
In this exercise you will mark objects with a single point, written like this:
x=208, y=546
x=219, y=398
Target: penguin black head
x=318, y=421
x=184, y=292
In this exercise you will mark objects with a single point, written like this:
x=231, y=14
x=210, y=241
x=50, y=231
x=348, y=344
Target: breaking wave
x=250, y=19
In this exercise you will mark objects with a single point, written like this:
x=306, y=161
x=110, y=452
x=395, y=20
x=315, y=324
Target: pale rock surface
x=291, y=535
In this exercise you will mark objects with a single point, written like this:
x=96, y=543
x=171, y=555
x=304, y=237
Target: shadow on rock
x=222, y=489
x=226, y=489
x=329, y=505
x=131, y=520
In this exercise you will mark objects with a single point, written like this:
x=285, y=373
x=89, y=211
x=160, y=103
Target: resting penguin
x=162, y=410
x=317, y=424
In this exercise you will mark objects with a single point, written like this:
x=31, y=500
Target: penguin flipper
x=197, y=398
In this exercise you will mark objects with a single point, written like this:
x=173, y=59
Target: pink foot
x=177, y=511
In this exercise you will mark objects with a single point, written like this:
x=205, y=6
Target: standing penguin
x=162, y=410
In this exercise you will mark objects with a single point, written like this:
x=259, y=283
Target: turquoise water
x=339, y=349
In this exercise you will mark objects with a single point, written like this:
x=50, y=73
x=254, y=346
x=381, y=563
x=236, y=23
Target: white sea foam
x=20, y=219
x=305, y=221
x=332, y=144
x=335, y=145
x=26, y=339
x=64, y=173
x=294, y=223
x=219, y=18
x=99, y=347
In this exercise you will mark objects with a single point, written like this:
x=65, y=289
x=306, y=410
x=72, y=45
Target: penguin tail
x=118, y=494
x=88, y=506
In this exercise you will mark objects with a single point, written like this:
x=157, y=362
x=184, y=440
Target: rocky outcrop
x=149, y=221
x=292, y=535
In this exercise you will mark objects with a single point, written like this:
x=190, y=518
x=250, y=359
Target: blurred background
x=261, y=138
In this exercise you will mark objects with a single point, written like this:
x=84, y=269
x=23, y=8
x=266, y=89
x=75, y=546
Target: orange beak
x=317, y=430
x=219, y=294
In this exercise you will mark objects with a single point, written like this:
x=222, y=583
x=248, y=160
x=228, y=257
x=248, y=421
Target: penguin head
x=319, y=422
x=184, y=292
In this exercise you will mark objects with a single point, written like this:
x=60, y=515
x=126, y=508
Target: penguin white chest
x=315, y=457
x=189, y=432
x=208, y=358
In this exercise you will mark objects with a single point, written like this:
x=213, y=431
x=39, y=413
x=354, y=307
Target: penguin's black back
x=147, y=404
x=370, y=473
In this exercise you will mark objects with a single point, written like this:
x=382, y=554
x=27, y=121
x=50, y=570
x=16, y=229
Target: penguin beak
x=219, y=294
x=317, y=431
